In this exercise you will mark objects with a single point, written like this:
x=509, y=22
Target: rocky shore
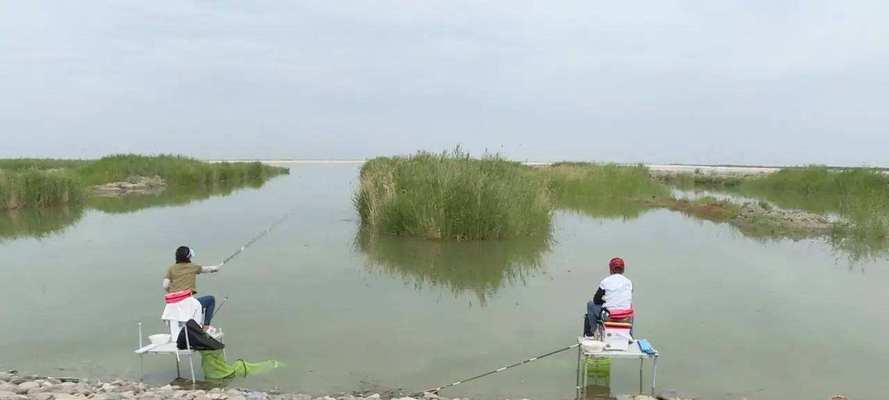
x=14, y=386
x=134, y=185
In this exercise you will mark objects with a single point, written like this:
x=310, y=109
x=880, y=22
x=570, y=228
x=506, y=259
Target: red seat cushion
x=621, y=313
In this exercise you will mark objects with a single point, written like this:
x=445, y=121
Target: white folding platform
x=633, y=352
x=170, y=348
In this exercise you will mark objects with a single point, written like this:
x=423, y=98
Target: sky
x=730, y=82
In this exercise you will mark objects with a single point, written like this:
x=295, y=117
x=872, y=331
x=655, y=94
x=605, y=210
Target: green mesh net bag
x=215, y=366
x=598, y=367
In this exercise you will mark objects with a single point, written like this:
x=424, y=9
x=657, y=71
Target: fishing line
x=250, y=243
x=498, y=370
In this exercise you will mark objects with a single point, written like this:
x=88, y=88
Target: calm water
x=734, y=317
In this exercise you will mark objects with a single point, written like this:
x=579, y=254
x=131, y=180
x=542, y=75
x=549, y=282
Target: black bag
x=197, y=338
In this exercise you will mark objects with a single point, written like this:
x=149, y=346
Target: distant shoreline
x=657, y=169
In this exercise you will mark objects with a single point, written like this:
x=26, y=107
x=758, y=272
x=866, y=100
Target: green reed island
x=451, y=195
x=30, y=183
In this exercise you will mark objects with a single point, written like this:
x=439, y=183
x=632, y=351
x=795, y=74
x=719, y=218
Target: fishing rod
x=250, y=243
x=257, y=237
x=216, y=312
x=498, y=370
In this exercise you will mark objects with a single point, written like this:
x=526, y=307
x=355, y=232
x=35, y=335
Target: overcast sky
x=755, y=82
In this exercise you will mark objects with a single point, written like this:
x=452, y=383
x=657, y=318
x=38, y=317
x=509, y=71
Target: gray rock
x=8, y=387
x=24, y=387
x=374, y=396
x=65, y=387
x=42, y=396
x=108, y=396
x=12, y=396
x=301, y=397
x=65, y=396
x=148, y=396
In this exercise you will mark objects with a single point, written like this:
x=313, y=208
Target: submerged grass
x=46, y=183
x=859, y=195
x=452, y=196
x=602, y=190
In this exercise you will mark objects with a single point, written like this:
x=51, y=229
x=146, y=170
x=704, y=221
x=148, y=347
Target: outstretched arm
x=211, y=268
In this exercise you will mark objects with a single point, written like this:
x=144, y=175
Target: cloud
x=730, y=82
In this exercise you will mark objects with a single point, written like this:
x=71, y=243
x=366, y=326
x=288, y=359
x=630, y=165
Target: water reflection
x=175, y=196
x=604, y=207
x=479, y=268
x=41, y=222
x=15, y=224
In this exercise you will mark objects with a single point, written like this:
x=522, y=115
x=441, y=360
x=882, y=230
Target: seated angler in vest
x=181, y=278
x=614, y=295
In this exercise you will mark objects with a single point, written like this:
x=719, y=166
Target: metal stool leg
x=653, y=374
x=191, y=365
x=577, y=375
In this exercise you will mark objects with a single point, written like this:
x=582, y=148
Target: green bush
x=452, y=196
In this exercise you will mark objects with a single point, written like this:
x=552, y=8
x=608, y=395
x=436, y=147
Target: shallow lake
x=734, y=317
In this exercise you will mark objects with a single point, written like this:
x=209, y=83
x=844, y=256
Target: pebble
x=13, y=387
x=24, y=387
x=12, y=396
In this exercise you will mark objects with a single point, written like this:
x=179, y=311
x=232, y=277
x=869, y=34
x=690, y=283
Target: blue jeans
x=208, y=303
x=593, y=316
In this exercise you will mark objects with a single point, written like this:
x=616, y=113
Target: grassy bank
x=860, y=196
x=175, y=170
x=45, y=183
x=452, y=196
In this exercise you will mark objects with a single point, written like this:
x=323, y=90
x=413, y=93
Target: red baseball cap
x=616, y=262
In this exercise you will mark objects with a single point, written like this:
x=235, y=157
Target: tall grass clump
x=38, y=188
x=452, y=196
x=859, y=195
